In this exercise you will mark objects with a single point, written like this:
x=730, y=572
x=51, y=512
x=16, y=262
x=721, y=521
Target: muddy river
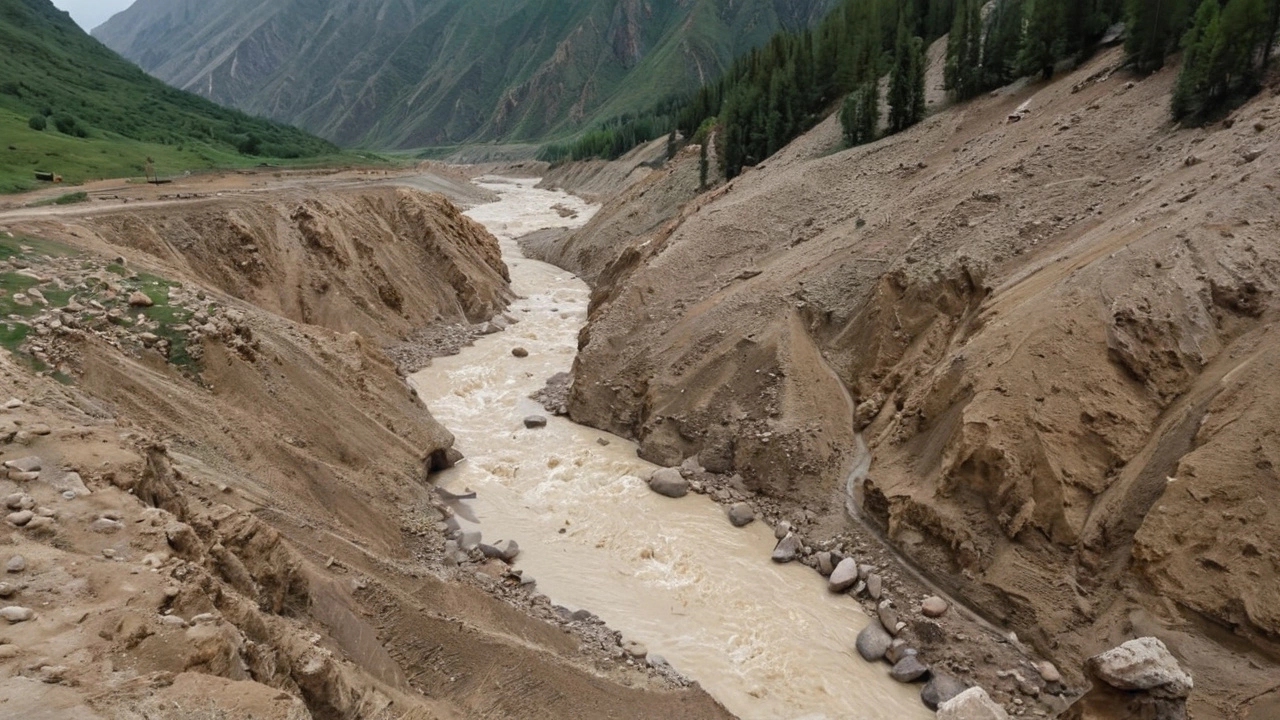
x=766, y=640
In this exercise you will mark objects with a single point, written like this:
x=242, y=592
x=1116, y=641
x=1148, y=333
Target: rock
x=106, y=526
x=898, y=649
x=469, y=540
x=888, y=617
x=908, y=669
x=12, y=404
x=656, y=661
x=874, y=586
x=782, y=530
x=873, y=642
x=741, y=514
x=1048, y=671
x=505, y=550
x=31, y=463
x=137, y=298
x=940, y=688
x=520, y=352
x=825, y=565
x=19, y=501
x=1143, y=665
x=972, y=704
x=1251, y=154
x=15, y=614
x=20, y=518
x=635, y=649
x=602, y=442
x=933, y=607
x=70, y=482
x=787, y=549
x=843, y=576
x=535, y=421
x=7, y=590
x=864, y=571
x=669, y=482
x=8, y=652
x=16, y=564
x=21, y=476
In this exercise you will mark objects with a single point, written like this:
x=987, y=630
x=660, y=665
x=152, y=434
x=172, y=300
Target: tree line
x=774, y=93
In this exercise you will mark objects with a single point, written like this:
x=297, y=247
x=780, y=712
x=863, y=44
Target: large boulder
x=972, y=704
x=787, y=549
x=908, y=669
x=941, y=688
x=1140, y=679
x=873, y=642
x=741, y=514
x=669, y=482
x=843, y=576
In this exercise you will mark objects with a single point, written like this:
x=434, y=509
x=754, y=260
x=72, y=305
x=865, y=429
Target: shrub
x=37, y=123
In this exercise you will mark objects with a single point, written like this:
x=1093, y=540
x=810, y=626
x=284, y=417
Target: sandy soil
x=256, y=537
x=1054, y=335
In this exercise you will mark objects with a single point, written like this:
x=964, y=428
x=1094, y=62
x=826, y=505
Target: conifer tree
x=1154, y=29
x=906, y=84
x=1004, y=42
x=1043, y=42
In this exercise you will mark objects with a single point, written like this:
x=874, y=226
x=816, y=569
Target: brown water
x=766, y=640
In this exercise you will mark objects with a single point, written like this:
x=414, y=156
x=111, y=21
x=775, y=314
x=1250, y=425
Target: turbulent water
x=766, y=640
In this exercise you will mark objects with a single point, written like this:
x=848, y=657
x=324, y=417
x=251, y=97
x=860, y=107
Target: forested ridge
x=778, y=91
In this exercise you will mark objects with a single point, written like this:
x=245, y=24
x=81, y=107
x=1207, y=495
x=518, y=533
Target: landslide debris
x=250, y=534
x=1054, y=335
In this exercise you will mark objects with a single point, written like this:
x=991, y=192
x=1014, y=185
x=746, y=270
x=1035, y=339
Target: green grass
x=118, y=115
x=68, y=199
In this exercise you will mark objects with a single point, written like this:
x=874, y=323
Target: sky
x=92, y=13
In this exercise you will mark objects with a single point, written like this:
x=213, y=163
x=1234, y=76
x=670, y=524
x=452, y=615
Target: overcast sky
x=92, y=13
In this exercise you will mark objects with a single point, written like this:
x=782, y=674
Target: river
x=766, y=640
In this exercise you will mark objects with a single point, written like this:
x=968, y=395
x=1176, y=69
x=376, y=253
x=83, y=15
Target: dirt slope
x=254, y=536
x=1055, y=335
x=383, y=261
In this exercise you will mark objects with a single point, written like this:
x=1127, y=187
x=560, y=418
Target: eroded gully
x=766, y=640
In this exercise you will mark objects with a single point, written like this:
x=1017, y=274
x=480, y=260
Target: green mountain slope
x=416, y=73
x=103, y=116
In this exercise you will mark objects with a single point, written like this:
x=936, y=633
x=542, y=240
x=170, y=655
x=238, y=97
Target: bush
x=69, y=125
x=37, y=123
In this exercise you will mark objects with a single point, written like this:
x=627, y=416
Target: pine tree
x=861, y=114
x=1043, y=42
x=1154, y=29
x=906, y=84
x=1004, y=41
x=1192, y=91
x=963, y=72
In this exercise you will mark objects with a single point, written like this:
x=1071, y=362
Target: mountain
x=70, y=105
x=418, y=73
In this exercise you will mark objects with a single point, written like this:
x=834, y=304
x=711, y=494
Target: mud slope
x=233, y=518
x=383, y=261
x=1056, y=335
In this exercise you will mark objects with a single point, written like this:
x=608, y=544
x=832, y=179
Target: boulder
x=875, y=586
x=888, y=617
x=20, y=518
x=1144, y=665
x=933, y=607
x=972, y=704
x=843, y=576
x=669, y=482
x=137, y=298
x=873, y=642
x=787, y=549
x=16, y=564
x=469, y=540
x=535, y=421
x=635, y=649
x=741, y=514
x=505, y=550
x=898, y=650
x=908, y=669
x=941, y=688
x=782, y=530
x=15, y=614
x=520, y=352
x=825, y=565
x=1048, y=671
x=7, y=590
x=106, y=526
x=30, y=463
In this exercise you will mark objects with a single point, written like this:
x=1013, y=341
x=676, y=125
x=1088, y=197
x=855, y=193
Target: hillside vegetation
x=772, y=95
x=70, y=105
x=398, y=75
